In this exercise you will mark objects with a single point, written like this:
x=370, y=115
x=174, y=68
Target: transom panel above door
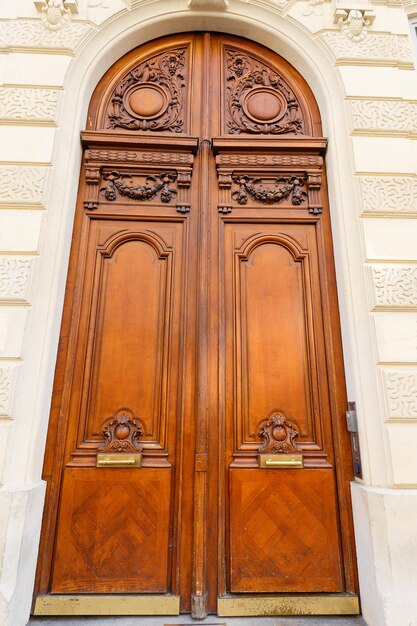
x=197, y=458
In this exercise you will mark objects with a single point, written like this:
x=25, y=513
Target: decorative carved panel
x=400, y=390
x=22, y=184
x=15, y=277
x=272, y=270
x=279, y=435
x=394, y=285
x=122, y=433
x=396, y=194
x=258, y=99
x=129, y=346
x=248, y=179
x=120, y=175
x=151, y=97
x=291, y=188
x=17, y=103
x=153, y=186
x=8, y=377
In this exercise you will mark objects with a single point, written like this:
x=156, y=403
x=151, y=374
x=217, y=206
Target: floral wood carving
x=292, y=187
x=151, y=96
x=258, y=100
x=121, y=433
x=154, y=185
x=278, y=435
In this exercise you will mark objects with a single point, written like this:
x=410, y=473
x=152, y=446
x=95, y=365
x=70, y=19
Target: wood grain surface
x=201, y=326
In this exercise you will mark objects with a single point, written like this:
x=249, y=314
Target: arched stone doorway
x=201, y=330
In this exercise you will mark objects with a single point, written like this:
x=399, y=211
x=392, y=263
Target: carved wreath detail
x=292, y=187
x=250, y=84
x=121, y=433
x=153, y=186
x=278, y=435
x=151, y=96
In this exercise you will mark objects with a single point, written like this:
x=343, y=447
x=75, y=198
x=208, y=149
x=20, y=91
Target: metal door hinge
x=352, y=426
x=352, y=418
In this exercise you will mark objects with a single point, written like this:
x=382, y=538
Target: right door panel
x=284, y=533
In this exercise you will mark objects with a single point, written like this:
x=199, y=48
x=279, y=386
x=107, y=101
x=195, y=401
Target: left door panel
x=115, y=525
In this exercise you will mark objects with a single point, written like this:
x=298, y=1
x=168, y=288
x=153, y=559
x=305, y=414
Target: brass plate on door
x=288, y=604
x=281, y=461
x=119, y=460
x=115, y=604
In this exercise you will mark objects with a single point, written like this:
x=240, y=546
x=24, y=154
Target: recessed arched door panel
x=197, y=453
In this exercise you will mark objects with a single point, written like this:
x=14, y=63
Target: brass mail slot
x=119, y=460
x=280, y=461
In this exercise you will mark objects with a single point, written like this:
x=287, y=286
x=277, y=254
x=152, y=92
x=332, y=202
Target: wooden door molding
x=200, y=334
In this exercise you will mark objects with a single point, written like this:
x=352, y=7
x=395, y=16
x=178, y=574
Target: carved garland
x=270, y=195
x=279, y=435
x=154, y=185
x=258, y=99
x=151, y=96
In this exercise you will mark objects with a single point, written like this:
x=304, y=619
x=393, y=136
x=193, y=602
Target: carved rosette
x=121, y=434
x=279, y=435
x=258, y=100
x=151, y=96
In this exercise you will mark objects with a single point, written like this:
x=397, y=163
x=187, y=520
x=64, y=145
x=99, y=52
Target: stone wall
x=358, y=60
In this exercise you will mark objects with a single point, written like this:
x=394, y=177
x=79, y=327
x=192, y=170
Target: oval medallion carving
x=147, y=101
x=151, y=95
x=258, y=99
x=264, y=105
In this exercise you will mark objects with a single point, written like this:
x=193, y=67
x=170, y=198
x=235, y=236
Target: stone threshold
x=185, y=620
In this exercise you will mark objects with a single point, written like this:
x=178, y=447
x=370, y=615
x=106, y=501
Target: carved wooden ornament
x=259, y=100
x=248, y=187
x=121, y=434
x=151, y=96
x=278, y=435
x=154, y=185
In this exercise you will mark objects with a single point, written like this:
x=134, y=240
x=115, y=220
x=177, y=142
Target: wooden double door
x=197, y=458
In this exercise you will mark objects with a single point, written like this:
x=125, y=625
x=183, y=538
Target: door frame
x=55, y=459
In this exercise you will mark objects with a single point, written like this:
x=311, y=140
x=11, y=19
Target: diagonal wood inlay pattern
x=283, y=538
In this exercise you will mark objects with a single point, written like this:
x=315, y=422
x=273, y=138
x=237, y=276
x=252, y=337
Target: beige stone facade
x=358, y=60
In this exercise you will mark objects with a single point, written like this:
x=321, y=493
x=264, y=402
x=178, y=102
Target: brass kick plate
x=119, y=460
x=280, y=461
x=288, y=604
x=116, y=604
